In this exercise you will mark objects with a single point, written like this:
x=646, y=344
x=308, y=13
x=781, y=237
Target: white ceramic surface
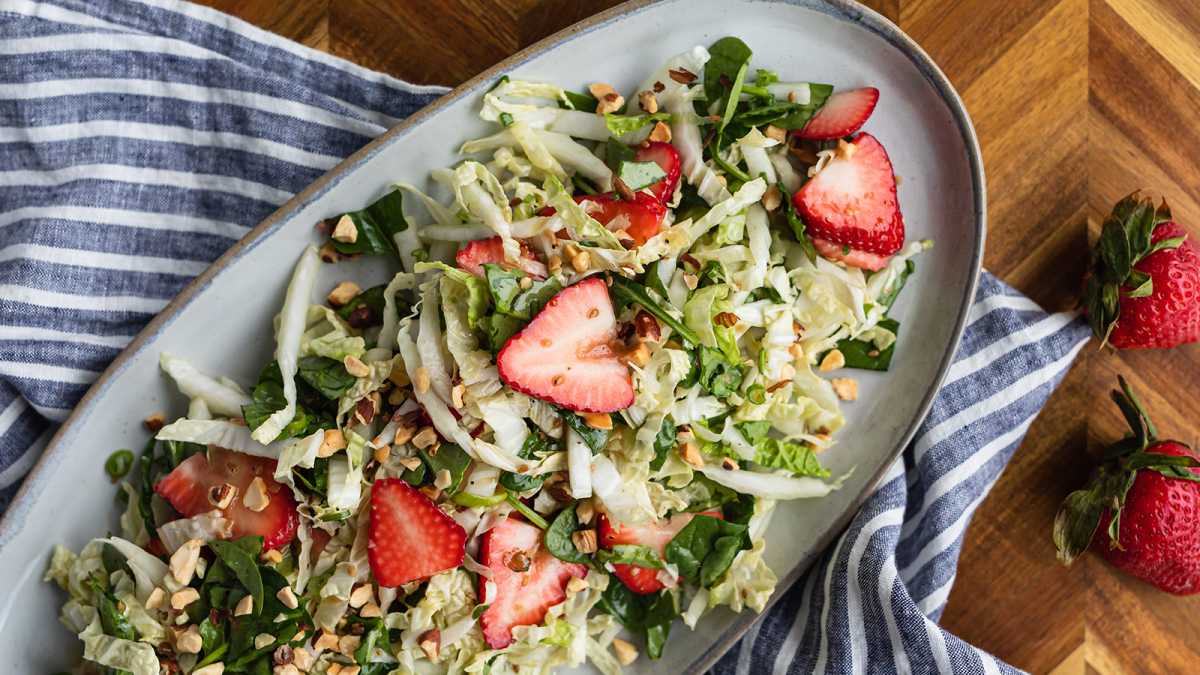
x=222, y=321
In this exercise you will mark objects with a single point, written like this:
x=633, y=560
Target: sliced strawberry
x=566, y=356
x=656, y=536
x=843, y=114
x=409, y=537
x=476, y=254
x=640, y=218
x=852, y=201
x=852, y=257
x=187, y=489
x=528, y=580
x=665, y=156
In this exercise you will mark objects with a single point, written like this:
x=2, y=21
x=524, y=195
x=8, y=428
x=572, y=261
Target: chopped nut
x=729, y=464
x=658, y=87
x=271, y=556
x=846, y=388
x=262, y=640
x=355, y=366
x=776, y=133
x=518, y=561
x=661, y=133
x=352, y=669
x=184, y=597
x=691, y=281
x=183, y=561
x=626, y=653
x=382, y=453
x=410, y=463
x=442, y=479
x=623, y=190
x=458, y=392
x=285, y=669
x=796, y=350
x=221, y=496
x=217, y=668
x=301, y=658
x=154, y=422
x=585, y=510
x=791, y=97
x=156, y=598
x=584, y=540
x=638, y=356
x=245, y=606
x=287, y=597
x=333, y=441
x=343, y=293
x=431, y=643
x=648, y=102
x=370, y=611
x=845, y=150
x=366, y=407
x=421, y=380
x=772, y=198
x=399, y=376
x=833, y=360
x=726, y=319
x=576, y=585
x=396, y=396
x=554, y=263
x=597, y=420
x=431, y=491
x=334, y=669
x=325, y=640
x=525, y=283
x=682, y=75
x=425, y=438
x=328, y=253
x=607, y=98
x=690, y=452
x=189, y=641
x=581, y=261
x=779, y=385
x=256, y=498
x=348, y=643
x=646, y=326
x=345, y=231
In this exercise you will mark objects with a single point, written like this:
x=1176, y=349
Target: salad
x=611, y=345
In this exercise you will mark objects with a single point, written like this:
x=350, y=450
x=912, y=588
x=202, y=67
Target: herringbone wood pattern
x=1077, y=103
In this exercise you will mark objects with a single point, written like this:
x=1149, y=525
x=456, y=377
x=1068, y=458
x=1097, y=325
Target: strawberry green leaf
x=1114, y=252
x=1173, y=242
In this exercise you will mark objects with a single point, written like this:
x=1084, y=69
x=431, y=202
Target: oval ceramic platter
x=222, y=323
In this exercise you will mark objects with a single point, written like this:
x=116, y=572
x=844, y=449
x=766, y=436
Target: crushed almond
x=796, y=350
x=334, y=669
x=347, y=644
x=638, y=356
x=155, y=422
x=421, y=380
x=189, y=641
x=833, y=360
x=433, y=492
x=425, y=438
x=626, y=652
x=690, y=452
x=256, y=498
x=184, y=597
x=431, y=643
x=525, y=283
x=772, y=198
x=597, y=420
x=584, y=540
x=580, y=261
x=333, y=441
x=648, y=102
x=442, y=479
x=370, y=611
x=691, y=281
x=301, y=658
x=399, y=376
x=355, y=366
x=576, y=585
x=585, y=510
x=217, y=668
x=285, y=669
x=846, y=388
x=245, y=606
x=343, y=293
x=287, y=597
x=410, y=463
x=554, y=263
x=183, y=561
x=382, y=453
x=271, y=556
x=458, y=392
x=607, y=98
x=776, y=133
x=262, y=640
x=221, y=496
x=845, y=150
x=345, y=231
x=791, y=97
x=661, y=133
x=325, y=640
x=156, y=598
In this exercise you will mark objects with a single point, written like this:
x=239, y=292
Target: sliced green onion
x=118, y=464
x=530, y=515
x=472, y=501
x=756, y=394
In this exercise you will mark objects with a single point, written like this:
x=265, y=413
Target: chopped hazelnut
x=262, y=640
x=348, y=643
x=345, y=231
x=584, y=540
x=585, y=510
x=581, y=260
x=301, y=658
x=431, y=643
x=245, y=606
x=184, y=597
x=183, y=561
x=776, y=133
x=661, y=133
x=431, y=491
x=648, y=102
x=626, y=653
x=845, y=150
x=833, y=360
x=691, y=281
x=726, y=319
x=256, y=498
x=154, y=422
x=772, y=198
x=333, y=441
x=188, y=641
x=425, y=438
x=271, y=556
x=525, y=283
x=796, y=350
x=682, y=75
x=285, y=669
x=690, y=452
x=729, y=464
x=328, y=253
x=217, y=668
x=370, y=611
x=442, y=479
x=458, y=393
x=382, y=453
x=597, y=420
x=576, y=585
x=638, y=356
x=156, y=598
x=221, y=496
x=325, y=640
x=421, y=380
x=554, y=263
x=287, y=597
x=355, y=366
x=343, y=293
x=607, y=98
x=846, y=388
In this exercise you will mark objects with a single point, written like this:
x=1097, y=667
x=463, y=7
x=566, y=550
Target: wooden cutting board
x=1076, y=103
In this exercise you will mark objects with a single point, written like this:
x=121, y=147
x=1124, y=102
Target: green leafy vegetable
x=898, y=285
x=638, y=175
x=530, y=515
x=325, y=375
x=595, y=439
x=631, y=292
x=799, y=229
x=112, y=620
x=537, y=444
x=471, y=501
x=377, y=226
x=863, y=354
x=619, y=125
x=726, y=68
x=664, y=443
x=704, y=549
x=267, y=398
x=717, y=375
x=239, y=556
x=449, y=457
x=558, y=536
x=511, y=299
x=649, y=616
x=631, y=554
x=577, y=101
x=372, y=300
x=617, y=153
x=799, y=458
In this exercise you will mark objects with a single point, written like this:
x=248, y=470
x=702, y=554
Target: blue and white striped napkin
x=138, y=140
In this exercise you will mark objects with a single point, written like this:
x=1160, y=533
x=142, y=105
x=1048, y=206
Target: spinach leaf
x=315, y=480
x=508, y=296
x=212, y=635
x=373, y=300
x=638, y=175
x=577, y=101
x=237, y=557
x=664, y=443
x=416, y=476
x=649, y=616
x=112, y=621
x=374, y=634
x=864, y=355
x=726, y=67
x=595, y=439
x=705, y=547
x=558, y=536
x=449, y=457
x=631, y=554
x=631, y=292
x=267, y=398
x=537, y=444
x=377, y=225
x=326, y=375
x=718, y=495
x=616, y=153
x=799, y=229
x=499, y=328
x=717, y=375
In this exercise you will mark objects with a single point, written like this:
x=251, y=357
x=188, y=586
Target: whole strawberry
x=1143, y=286
x=1140, y=510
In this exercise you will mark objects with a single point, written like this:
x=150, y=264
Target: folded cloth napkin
x=141, y=139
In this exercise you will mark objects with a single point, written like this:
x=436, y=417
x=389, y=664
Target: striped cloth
x=141, y=139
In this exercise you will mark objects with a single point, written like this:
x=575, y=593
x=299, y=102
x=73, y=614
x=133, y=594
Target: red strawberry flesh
x=640, y=218
x=409, y=538
x=528, y=580
x=480, y=252
x=843, y=114
x=1170, y=316
x=853, y=258
x=667, y=158
x=852, y=201
x=656, y=536
x=187, y=489
x=565, y=354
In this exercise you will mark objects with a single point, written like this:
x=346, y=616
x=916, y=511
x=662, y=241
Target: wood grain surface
x=1076, y=104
